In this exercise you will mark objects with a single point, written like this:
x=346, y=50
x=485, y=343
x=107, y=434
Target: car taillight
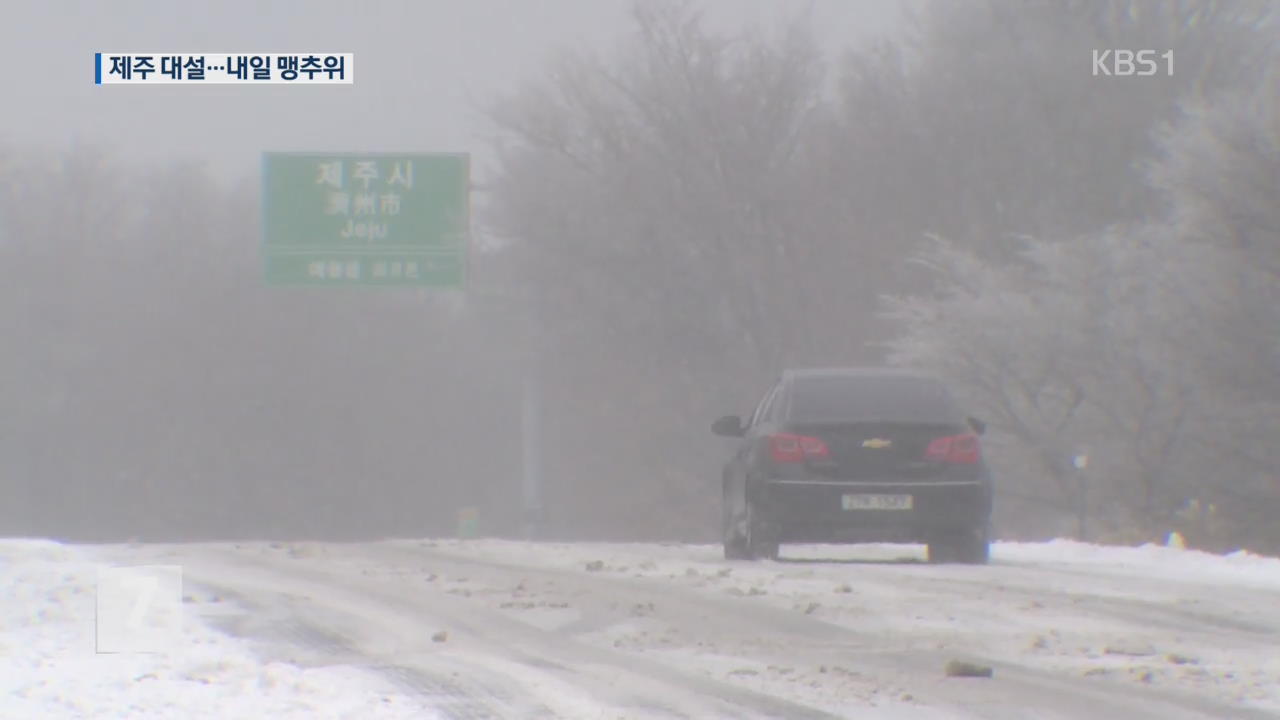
x=788, y=448
x=959, y=449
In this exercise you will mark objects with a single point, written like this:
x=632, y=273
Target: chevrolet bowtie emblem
x=876, y=443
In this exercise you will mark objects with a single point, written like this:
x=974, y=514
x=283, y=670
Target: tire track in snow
x=630, y=683
x=273, y=632
x=1052, y=694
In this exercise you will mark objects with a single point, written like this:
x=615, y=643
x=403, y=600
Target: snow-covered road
x=501, y=629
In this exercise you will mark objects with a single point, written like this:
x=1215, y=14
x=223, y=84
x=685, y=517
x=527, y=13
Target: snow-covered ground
x=1152, y=617
x=498, y=629
x=1239, y=569
x=51, y=670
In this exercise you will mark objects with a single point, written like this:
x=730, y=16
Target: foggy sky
x=423, y=69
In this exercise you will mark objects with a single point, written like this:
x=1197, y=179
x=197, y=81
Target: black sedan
x=856, y=455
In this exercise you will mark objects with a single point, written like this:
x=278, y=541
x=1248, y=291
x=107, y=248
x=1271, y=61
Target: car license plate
x=876, y=502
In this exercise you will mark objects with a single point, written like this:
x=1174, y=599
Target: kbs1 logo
x=1125, y=63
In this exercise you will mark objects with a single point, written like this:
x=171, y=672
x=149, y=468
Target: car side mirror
x=978, y=426
x=728, y=426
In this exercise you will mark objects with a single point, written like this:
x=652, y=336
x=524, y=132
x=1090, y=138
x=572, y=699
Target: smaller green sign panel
x=375, y=219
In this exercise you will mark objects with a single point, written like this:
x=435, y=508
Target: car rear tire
x=735, y=547
x=762, y=540
x=735, y=544
x=968, y=548
x=975, y=548
x=759, y=541
x=938, y=551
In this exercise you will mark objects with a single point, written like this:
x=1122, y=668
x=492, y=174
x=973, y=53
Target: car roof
x=858, y=372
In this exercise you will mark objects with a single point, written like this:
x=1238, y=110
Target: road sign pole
x=532, y=471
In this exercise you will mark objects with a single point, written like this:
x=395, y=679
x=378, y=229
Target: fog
x=426, y=71
x=669, y=209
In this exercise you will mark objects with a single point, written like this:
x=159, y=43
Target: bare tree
x=656, y=201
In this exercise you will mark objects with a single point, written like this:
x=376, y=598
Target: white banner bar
x=224, y=68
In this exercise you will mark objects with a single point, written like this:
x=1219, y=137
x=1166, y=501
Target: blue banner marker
x=97, y=68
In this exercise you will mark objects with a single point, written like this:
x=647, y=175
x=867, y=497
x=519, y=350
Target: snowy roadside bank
x=1241, y=568
x=50, y=669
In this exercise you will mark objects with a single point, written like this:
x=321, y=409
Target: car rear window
x=871, y=399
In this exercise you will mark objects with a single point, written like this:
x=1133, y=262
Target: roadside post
x=468, y=522
x=1081, y=462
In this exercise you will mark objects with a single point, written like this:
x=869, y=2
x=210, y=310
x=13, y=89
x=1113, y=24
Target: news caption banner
x=138, y=609
x=224, y=68
x=366, y=219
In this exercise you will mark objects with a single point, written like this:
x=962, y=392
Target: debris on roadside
x=595, y=566
x=301, y=551
x=964, y=668
x=1130, y=649
x=642, y=609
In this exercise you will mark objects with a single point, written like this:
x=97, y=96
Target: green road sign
x=373, y=219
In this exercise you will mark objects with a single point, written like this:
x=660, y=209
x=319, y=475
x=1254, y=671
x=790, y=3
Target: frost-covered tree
x=1153, y=345
x=987, y=123
x=1076, y=347
x=1220, y=175
x=702, y=208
